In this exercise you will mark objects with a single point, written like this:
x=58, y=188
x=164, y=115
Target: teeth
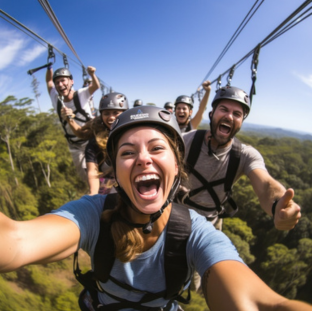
x=146, y=177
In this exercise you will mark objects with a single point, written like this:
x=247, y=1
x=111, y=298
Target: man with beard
x=66, y=102
x=209, y=172
x=220, y=160
x=184, y=109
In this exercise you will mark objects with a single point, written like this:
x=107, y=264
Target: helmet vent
x=165, y=115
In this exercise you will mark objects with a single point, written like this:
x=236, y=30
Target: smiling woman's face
x=145, y=167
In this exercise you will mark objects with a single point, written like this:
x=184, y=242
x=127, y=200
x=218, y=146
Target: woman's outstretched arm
x=44, y=239
x=232, y=286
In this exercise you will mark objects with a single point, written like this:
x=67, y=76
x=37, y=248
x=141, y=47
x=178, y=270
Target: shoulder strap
x=195, y=148
x=176, y=268
x=104, y=250
x=178, y=232
x=78, y=106
x=58, y=108
x=189, y=127
x=235, y=154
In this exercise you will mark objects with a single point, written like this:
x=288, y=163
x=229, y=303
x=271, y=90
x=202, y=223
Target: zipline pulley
x=230, y=75
x=51, y=54
x=254, y=67
x=84, y=73
x=65, y=61
x=219, y=82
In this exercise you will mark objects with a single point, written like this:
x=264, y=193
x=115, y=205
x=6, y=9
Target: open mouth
x=224, y=128
x=147, y=185
x=62, y=90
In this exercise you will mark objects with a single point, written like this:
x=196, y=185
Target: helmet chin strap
x=148, y=227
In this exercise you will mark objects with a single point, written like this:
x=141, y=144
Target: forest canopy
x=37, y=176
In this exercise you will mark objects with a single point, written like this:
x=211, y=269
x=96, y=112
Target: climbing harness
x=222, y=210
x=175, y=264
x=78, y=115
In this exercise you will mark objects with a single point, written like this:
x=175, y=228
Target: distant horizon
x=254, y=125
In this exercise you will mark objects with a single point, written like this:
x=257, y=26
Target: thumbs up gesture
x=287, y=212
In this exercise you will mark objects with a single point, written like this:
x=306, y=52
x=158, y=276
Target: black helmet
x=185, y=100
x=233, y=93
x=149, y=116
x=138, y=102
x=168, y=105
x=62, y=72
x=145, y=115
x=115, y=100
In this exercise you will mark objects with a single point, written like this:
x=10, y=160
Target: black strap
x=175, y=262
x=232, y=168
x=70, y=137
x=79, y=108
x=178, y=231
x=195, y=148
x=104, y=254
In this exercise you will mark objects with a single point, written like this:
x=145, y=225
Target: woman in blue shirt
x=146, y=152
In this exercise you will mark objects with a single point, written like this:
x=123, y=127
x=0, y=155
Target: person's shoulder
x=249, y=150
x=53, y=92
x=84, y=91
x=199, y=221
x=92, y=143
x=188, y=136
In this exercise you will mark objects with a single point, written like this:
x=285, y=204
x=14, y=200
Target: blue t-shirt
x=205, y=247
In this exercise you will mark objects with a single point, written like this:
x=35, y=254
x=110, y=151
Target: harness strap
x=79, y=109
x=76, y=100
x=233, y=164
x=207, y=186
x=195, y=148
x=104, y=253
x=178, y=232
x=232, y=168
x=175, y=263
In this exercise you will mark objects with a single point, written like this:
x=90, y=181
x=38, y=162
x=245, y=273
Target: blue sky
x=158, y=50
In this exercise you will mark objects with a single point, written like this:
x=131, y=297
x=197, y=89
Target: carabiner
x=84, y=73
x=230, y=75
x=219, y=82
x=65, y=61
x=50, y=54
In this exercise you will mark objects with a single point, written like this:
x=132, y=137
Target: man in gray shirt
x=208, y=154
x=230, y=107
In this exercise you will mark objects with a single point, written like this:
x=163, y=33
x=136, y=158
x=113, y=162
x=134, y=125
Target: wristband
x=49, y=67
x=273, y=207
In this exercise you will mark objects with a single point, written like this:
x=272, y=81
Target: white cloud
x=305, y=79
x=16, y=50
x=30, y=54
x=9, y=50
x=5, y=85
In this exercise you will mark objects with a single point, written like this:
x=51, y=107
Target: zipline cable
x=46, y=6
x=268, y=39
x=35, y=37
x=31, y=32
x=233, y=38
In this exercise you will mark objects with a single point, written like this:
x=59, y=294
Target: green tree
x=241, y=236
x=284, y=272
